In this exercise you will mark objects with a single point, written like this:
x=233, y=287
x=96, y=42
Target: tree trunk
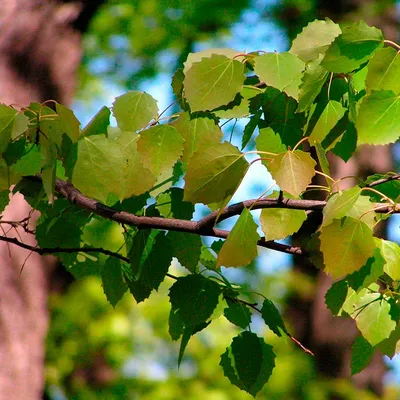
x=331, y=337
x=40, y=51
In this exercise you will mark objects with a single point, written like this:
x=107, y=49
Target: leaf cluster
x=335, y=90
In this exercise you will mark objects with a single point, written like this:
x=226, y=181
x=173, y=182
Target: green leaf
x=339, y=204
x=68, y=122
x=292, y=171
x=12, y=124
x=186, y=248
x=281, y=223
x=312, y=81
x=346, y=245
x=214, y=173
x=348, y=143
x=363, y=210
x=160, y=147
x=248, y=362
x=114, y=285
x=197, y=132
x=250, y=128
x=175, y=324
x=93, y=169
x=378, y=119
x=272, y=318
x=139, y=291
x=237, y=313
x=240, y=248
x=279, y=115
x=391, y=253
x=135, y=178
x=336, y=296
x=391, y=346
x=4, y=199
x=390, y=188
x=373, y=318
x=353, y=47
x=331, y=115
x=384, y=71
x=156, y=262
x=213, y=82
x=361, y=355
x=282, y=71
x=170, y=204
x=195, y=298
x=99, y=123
x=188, y=332
x=368, y=273
x=315, y=39
x=270, y=142
x=199, y=55
x=134, y=110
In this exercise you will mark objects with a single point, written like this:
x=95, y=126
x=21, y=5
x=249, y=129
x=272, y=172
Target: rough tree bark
x=40, y=51
x=331, y=337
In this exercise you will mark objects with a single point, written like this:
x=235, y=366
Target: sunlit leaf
x=214, y=173
x=213, y=82
x=134, y=110
x=270, y=142
x=353, y=47
x=384, y=71
x=391, y=253
x=339, y=204
x=315, y=39
x=332, y=113
x=240, y=248
x=280, y=70
x=373, y=319
x=312, y=82
x=160, y=147
x=197, y=132
x=281, y=223
x=346, y=244
x=292, y=171
x=378, y=119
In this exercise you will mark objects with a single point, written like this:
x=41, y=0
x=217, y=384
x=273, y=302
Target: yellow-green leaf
x=346, y=245
x=292, y=171
x=280, y=70
x=240, y=248
x=160, y=147
x=280, y=223
x=213, y=82
x=214, y=173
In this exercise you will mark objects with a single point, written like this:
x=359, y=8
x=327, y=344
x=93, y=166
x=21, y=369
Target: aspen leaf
x=384, y=71
x=378, y=118
x=280, y=70
x=213, y=82
x=248, y=362
x=339, y=204
x=331, y=115
x=315, y=39
x=160, y=147
x=292, y=171
x=346, y=245
x=240, y=248
x=134, y=110
x=280, y=223
x=214, y=173
x=356, y=44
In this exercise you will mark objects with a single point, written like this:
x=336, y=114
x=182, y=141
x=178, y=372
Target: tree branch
x=384, y=180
